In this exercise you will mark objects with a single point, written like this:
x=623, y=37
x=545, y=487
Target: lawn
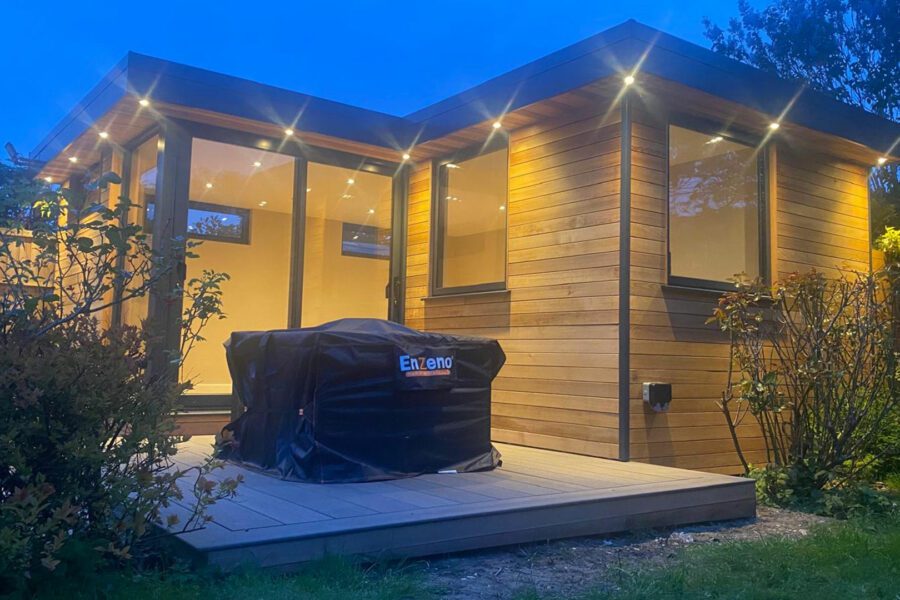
x=859, y=559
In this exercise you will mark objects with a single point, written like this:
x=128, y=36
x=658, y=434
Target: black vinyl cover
x=361, y=400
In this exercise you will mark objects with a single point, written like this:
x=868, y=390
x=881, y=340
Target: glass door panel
x=347, y=244
x=241, y=205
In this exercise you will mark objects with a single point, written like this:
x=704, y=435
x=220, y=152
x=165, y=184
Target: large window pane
x=347, y=246
x=232, y=189
x=141, y=194
x=714, y=207
x=472, y=222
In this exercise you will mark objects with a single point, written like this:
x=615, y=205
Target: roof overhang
x=596, y=64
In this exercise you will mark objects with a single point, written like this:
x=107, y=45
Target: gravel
x=566, y=567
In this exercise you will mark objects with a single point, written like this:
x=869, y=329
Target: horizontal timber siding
x=819, y=220
x=559, y=323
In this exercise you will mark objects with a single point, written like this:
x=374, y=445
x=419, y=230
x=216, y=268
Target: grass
x=857, y=559
x=330, y=579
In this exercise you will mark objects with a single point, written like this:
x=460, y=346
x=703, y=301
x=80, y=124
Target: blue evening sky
x=390, y=56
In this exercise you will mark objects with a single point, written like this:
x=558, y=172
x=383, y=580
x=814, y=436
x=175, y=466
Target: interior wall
x=464, y=258
x=336, y=286
x=819, y=220
x=558, y=323
x=255, y=298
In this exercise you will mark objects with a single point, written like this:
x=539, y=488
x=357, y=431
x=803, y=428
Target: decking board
x=536, y=495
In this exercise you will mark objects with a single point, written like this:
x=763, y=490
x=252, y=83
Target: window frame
x=761, y=145
x=438, y=218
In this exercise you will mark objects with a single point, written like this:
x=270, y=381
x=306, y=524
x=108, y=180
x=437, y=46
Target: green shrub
x=816, y=367
x=86, y=417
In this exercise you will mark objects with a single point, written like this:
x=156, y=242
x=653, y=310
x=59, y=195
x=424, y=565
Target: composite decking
x=536, y=495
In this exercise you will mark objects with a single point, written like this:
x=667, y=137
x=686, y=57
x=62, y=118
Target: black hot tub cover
x=361, y=400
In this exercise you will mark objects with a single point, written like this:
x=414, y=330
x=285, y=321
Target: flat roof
x=625, y=48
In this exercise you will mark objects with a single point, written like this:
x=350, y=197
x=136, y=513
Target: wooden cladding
x=818, y=219
x=557, y=321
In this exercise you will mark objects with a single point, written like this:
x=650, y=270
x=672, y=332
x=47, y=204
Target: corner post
x=625, y=281
x=169, y=230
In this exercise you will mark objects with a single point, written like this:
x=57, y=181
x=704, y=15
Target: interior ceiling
x=255, y=179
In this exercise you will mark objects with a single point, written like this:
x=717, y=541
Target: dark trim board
x=537, y=495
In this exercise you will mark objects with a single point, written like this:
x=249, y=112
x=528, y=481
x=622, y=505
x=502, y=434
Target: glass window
x=347, y=244
x=142, y=195
x=243, y=195
x=471, y=223
x=714, y=207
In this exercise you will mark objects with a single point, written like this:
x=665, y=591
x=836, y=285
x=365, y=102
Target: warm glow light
x=406, y=156
x=73, y=159
x=629, y=79
x=774, y=125
x=256, y=163
x=351, y=181
x=262, y=202
x=715, y=140
x=882, y=160
x=208, y=186
x=502, y=207
x=371, y=211
x=288, y=131
x=144, y=102
x=451, y=166
x=48, y=179
x=308, y=190
x=497, y=125
x=103, y=135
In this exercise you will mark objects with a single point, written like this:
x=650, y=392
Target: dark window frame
x=438, y=217
x=762, y=170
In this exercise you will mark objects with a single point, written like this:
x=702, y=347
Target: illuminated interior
x=141, y=192
x=259, y=185
x=473, y=221
x=346, y=261
x=713, y=207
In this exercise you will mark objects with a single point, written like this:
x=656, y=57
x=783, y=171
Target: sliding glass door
x=347, y=244
x=240, y=209
x=305, y=237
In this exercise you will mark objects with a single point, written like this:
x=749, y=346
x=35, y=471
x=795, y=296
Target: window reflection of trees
x=725, y=180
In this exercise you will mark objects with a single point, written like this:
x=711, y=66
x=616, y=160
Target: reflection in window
x=714, y=207
x=242, y=195
x=471, y=227
x=220, y=223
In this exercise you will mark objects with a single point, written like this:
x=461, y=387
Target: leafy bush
x=86, y=417
x=814, y=363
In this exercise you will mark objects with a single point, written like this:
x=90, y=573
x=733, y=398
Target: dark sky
x=389, y=56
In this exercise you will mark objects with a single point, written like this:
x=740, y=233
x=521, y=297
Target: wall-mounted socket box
x=658, y=395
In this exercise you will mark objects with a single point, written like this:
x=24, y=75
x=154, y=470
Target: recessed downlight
x=629, y=79
x=144, y=102
x=774, y=125
x=882, y=160
x=73, y=159
x=288, y=132
x=103, y=135
x=209, y=185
